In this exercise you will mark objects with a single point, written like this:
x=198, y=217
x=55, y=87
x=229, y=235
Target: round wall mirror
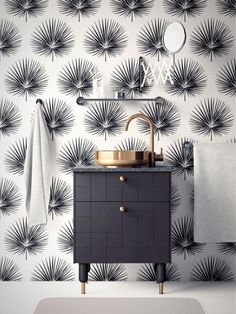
x=174, y=37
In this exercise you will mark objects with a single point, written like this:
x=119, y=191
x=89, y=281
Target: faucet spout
x=149, y=121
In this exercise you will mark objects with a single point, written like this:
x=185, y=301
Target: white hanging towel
x=37, y=169
x=215, y=192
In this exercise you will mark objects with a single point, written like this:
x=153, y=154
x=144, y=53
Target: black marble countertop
x=158, y=168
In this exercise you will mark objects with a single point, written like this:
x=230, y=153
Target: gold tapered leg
x=82, y=287
x=161, y=287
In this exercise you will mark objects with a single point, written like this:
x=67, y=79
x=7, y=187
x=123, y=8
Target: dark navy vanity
x=122, y=215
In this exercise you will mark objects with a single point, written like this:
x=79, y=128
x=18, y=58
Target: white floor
x=22, y=298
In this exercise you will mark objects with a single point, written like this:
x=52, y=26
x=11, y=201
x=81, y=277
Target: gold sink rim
x=121, y=158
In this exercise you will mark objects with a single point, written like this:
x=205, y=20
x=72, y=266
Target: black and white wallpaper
x=50, y=49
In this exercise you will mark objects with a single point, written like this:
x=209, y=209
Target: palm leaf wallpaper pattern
x=15, y=157
x=175, y=198
x=10, y=118
x=189, y=79
x=172, y=272
x=26, y=78
x=10, y=39
x=226, y=79
x=125, y=77
x=9, y=271
x=65, y=238
x=182, y=241
x=76, y=78
x=62, y=49
x=10, y=197
x=226, y=7
x=79, y=8
x=60, y=199
x=184, y=8
x=22, y=239
x=147, y=273
x=212, y=269
x=212, y=38
x=132, y=143
x=131, y=8
x=77, y=152
x=53, y=269
x=164, y=115
x=180, y=158
x=53, y=38
x=26, y=8
x=227, y=247
x=107, y=272
x=105, y=118
x=150, y=39
x=106, y=38
x=212, y=118
x=58, y=116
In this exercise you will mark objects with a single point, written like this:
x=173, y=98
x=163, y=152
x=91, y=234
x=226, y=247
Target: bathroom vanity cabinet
x=122, y=215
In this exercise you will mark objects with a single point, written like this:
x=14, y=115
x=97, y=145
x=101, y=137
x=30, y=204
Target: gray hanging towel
x=37, y=170
x=215, y=192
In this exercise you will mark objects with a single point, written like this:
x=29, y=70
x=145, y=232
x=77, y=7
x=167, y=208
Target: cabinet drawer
x=132, y=179
x=102, y=187
x=138, y=187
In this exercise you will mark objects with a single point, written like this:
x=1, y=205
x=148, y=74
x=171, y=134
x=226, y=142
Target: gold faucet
x=149, y=121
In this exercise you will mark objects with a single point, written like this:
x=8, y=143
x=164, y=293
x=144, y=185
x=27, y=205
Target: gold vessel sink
x=118, y=158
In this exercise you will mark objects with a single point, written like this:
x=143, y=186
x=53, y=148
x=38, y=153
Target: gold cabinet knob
x=122, y=209
x=122, y=178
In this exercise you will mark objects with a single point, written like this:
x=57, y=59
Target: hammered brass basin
x=118, y=158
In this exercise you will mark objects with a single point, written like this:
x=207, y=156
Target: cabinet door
x=136, y=231
x=106, y=222
x=150, y=222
